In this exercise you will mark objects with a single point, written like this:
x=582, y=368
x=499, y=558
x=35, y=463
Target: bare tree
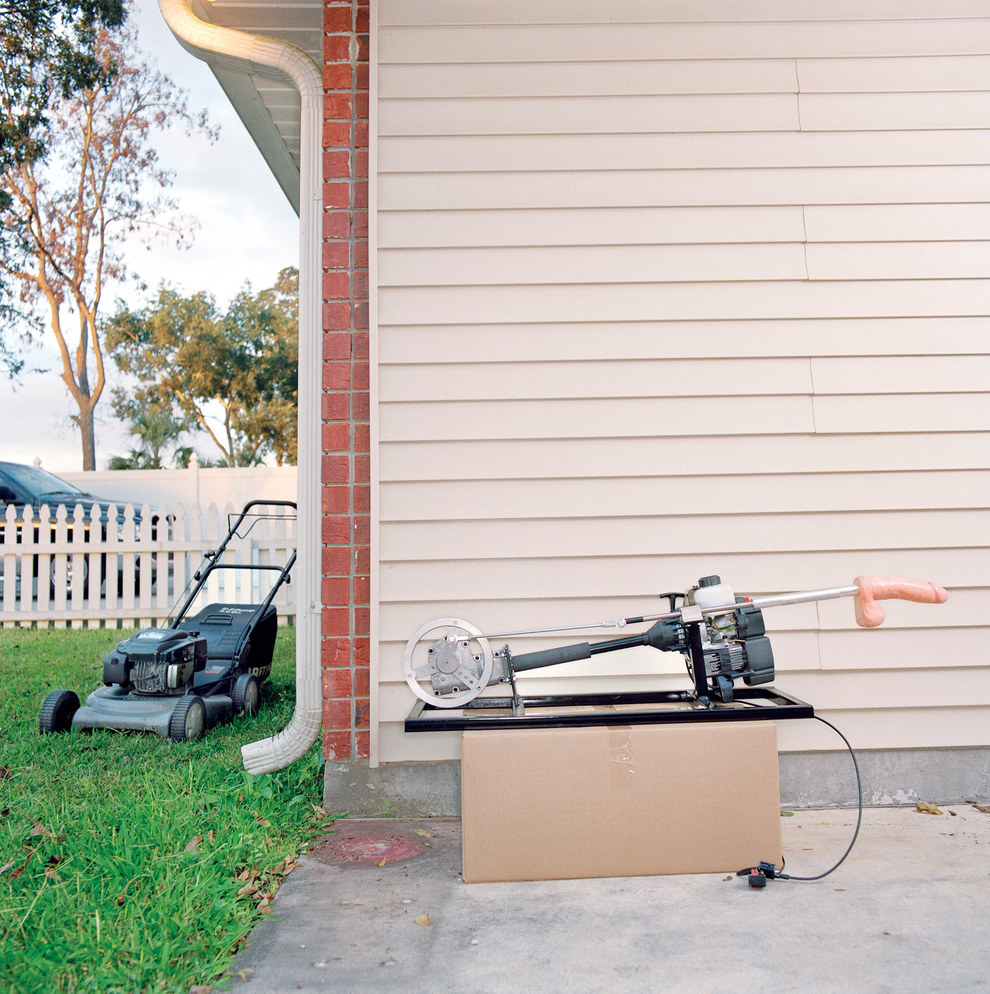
x=46, y=48
x=100, y=185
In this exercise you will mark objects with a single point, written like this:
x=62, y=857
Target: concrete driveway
x=381, y=906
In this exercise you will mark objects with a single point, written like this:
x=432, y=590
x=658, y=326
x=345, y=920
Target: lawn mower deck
x=181, y=680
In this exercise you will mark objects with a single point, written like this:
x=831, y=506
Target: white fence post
x=194, y=474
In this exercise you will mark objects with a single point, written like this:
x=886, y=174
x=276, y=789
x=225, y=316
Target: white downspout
x=277, y=60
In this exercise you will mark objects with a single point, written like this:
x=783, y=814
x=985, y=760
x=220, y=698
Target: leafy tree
x=243, y=364
x=49, y=49
x=157, y=429
x=99, y=184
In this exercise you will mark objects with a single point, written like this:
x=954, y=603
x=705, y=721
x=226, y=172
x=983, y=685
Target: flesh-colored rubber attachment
x=869, y=614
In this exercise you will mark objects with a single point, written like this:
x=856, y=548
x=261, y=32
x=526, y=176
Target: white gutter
x=248, y=53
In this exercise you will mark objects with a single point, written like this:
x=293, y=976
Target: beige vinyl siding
x=667, y=289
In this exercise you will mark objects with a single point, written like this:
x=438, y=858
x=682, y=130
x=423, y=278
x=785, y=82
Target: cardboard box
x=619, y=800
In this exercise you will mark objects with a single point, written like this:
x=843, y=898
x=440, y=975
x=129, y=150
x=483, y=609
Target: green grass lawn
x=129, y=863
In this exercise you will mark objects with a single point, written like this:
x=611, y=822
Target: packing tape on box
x=621, y=766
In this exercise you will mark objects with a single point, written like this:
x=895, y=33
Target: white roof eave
x=268, y=107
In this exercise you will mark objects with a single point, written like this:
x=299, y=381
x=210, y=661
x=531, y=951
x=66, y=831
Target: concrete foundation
x=807, y=780
x=889, y=776
x=393, y=790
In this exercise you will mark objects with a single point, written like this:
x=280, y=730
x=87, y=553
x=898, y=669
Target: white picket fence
x=66, y=572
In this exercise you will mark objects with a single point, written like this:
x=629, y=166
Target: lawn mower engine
x=732, y=645
x=156, y=662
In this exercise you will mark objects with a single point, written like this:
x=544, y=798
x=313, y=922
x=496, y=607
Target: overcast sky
x=247, y=231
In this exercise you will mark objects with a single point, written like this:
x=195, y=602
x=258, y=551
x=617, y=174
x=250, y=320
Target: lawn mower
x=207, y=665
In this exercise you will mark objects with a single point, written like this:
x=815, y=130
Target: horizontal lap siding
x=667, y=289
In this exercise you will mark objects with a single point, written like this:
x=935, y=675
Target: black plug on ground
x=758, y=875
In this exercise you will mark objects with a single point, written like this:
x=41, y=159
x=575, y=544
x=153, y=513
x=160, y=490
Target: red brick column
x=346, y=448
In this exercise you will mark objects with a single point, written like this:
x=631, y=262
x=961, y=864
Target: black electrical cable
x=859, y=816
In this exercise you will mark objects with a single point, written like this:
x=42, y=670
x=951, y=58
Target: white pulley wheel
x=447, y=662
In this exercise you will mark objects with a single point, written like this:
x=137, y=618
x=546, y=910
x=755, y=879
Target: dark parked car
x=31, y=486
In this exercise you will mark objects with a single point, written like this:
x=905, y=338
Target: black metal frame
x=641, y=708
